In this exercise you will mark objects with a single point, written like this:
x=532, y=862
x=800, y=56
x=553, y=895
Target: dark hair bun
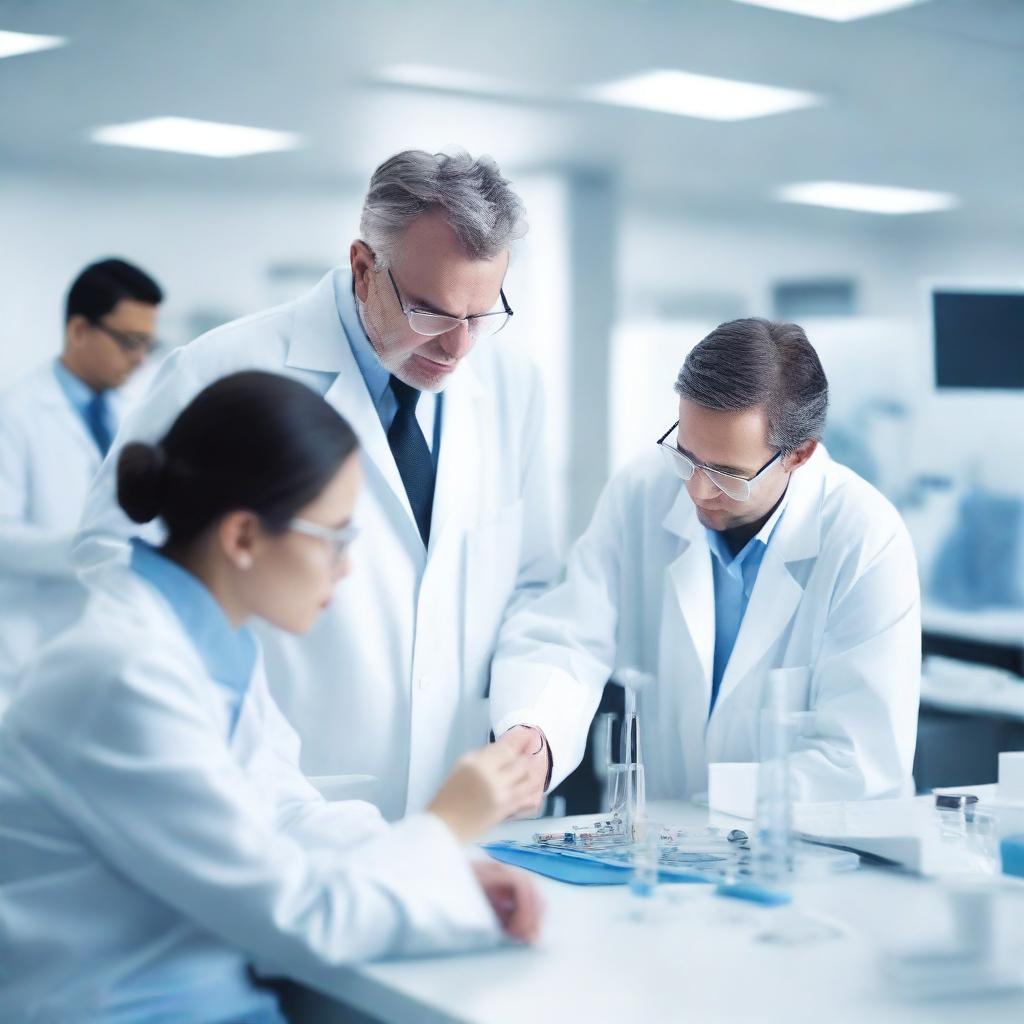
x=140, y=480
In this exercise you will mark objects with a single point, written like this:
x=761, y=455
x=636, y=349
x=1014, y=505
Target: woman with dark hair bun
x=156, y=834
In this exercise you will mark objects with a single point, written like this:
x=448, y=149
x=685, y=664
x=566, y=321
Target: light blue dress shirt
x=228, y=654
x=377, y=378
x=734, y=579
x=80, y=395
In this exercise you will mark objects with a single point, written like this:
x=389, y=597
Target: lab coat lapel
x=781, y=579
x=458, y=469
x=51, y=395
x=689, y=577
x=318, y=342
x=685, y=654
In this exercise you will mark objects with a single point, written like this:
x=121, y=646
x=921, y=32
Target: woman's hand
x=485, y=786
x=514, y=897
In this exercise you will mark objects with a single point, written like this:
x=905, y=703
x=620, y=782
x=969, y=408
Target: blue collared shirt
x=377, y=378
x=734, y=579
x=228, y=654
x=79, y=395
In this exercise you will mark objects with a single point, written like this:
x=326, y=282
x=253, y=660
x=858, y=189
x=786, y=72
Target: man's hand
x=527, y=739
x=514, y=898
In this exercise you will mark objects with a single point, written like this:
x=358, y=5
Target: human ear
x=238, y=535
x=363, y=263
x=796, y=458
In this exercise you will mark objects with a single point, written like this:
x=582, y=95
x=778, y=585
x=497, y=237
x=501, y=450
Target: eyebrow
x=731, y=470
x=429, y=307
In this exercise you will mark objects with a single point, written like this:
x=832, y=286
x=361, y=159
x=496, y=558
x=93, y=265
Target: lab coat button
x=423, y=682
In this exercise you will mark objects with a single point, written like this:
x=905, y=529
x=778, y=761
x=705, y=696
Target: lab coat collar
x=49, y=393
x=317, y=340
x=784, y=571
x=77, y=391
x=796, y=535
x=228, y=654
x=782, y=577
x=693, y=585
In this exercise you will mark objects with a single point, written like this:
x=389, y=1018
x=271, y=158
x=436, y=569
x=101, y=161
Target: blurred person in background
x=55, y=429
x=405, y=343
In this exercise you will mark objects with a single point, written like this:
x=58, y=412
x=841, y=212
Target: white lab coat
x=392, y=680
x=836, y=601
x=47, y=461
x=138, y=842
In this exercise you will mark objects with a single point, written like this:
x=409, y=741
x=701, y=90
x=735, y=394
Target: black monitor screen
x=979, y=339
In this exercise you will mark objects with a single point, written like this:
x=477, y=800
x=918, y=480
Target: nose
x=342, y=567
x=457, y=342
x=700, y=488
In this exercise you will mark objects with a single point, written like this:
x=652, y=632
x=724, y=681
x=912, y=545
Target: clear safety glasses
x=479, y=325
x=338, y=540
x=736, y=487
x=127, y=341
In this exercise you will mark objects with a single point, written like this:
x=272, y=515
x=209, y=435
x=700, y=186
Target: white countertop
x=701, y=961
x=952, y=685
x=1000, y=626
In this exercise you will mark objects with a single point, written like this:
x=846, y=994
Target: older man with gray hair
x=390, y=687
x=736, y=567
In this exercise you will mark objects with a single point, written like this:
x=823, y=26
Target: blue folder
x=577, y=869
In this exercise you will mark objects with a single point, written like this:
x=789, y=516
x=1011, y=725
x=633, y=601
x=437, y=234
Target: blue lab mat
x=566, y=866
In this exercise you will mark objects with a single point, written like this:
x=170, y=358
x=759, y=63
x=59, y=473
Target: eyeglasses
x=479, y=325
x=339, y=539
x=736, y=487
x=127, y=342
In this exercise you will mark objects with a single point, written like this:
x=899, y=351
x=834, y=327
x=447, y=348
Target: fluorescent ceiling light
x=843, y=195
x=14, y=43
x=201, y=138
x=690, y=95
x=427, y=76
x=834, y=10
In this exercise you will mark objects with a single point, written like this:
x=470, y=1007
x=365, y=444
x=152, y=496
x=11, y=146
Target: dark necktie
x=96, y=420
x=412, y=455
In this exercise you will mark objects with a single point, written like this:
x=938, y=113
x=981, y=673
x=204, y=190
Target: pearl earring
x=244, y=561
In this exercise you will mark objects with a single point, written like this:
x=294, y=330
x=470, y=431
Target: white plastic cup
x=972, y=908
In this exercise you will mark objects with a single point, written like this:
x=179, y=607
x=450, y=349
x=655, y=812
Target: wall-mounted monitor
x=979, y=338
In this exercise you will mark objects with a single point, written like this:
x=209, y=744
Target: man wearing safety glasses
x=56, y=426
x=734, y=552
x=389, y=688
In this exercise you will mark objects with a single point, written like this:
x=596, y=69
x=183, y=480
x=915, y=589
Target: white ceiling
x=928, y=97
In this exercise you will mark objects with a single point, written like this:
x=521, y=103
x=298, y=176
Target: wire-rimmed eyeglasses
x=736, y=487
x=479, y=325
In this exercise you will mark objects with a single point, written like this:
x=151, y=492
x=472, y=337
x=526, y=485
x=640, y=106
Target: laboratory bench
x=690, y=956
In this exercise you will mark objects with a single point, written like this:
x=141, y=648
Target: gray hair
x=744, y=364
x=478, y=203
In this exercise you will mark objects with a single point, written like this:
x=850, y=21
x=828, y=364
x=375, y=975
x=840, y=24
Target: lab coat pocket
x=492, y=565
x=796, y=688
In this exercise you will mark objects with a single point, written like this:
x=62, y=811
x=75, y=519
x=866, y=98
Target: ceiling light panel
x=199, y=138
x=834, y=10
x=13, y=44
x=691, y=95
x=842, y=195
